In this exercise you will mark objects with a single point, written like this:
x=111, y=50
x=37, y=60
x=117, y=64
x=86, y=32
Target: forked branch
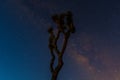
x=63, y=28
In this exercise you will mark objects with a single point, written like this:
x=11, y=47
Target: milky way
x=93, y=51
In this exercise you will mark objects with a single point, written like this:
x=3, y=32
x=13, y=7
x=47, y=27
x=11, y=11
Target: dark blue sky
x=92, y=53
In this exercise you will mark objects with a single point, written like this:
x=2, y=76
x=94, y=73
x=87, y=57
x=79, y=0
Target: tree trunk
x=57, y=69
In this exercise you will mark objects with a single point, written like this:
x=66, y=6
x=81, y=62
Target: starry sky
x=92, y=52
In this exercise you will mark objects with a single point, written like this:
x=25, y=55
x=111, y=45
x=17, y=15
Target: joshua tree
x=64, y=23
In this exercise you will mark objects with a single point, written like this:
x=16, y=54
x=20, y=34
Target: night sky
x=92, y=53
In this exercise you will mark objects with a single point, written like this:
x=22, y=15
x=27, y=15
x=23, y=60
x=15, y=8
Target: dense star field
x=92, y=53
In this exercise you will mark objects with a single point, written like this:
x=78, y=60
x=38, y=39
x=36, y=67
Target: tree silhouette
x=64, y=23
